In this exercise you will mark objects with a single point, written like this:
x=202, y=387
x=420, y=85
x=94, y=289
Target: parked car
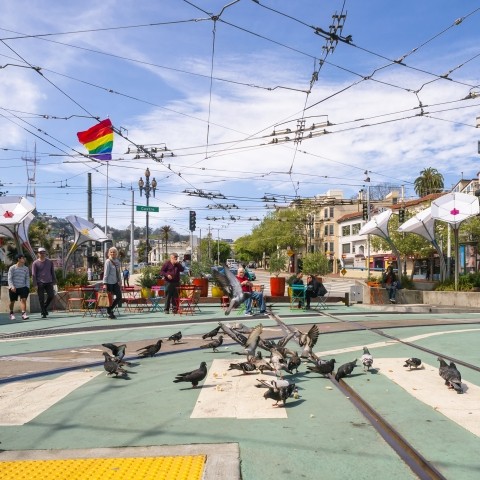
x=251, y=275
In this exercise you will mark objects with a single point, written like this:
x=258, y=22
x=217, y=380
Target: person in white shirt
x=19, y=285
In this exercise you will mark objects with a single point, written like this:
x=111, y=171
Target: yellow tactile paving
x=135, y=468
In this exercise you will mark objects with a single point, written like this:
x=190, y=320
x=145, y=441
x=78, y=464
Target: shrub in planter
x=277, y=264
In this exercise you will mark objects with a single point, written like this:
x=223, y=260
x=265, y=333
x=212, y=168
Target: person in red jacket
x=247, y=287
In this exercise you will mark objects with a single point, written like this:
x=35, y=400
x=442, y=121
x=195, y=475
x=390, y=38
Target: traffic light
x=193, y=220
x=365, y=211
x=401, y=216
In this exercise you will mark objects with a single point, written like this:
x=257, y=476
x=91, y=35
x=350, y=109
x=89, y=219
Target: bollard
x=347, y=299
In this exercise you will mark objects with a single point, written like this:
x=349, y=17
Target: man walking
x=19, y=285
x=43, y=274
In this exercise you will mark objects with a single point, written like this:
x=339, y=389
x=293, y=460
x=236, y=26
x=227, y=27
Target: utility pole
x=132, y=234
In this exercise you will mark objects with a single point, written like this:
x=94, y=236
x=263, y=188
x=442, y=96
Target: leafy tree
x=429, y=181
x=279, y=229
x=316, y=264
x=39, y=234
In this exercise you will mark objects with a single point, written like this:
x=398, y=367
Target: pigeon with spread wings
x=231, y=287
x=308, y=341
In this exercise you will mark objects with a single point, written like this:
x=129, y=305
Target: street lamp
x=147, y=187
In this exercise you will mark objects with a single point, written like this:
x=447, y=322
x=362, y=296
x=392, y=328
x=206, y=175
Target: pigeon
x=451, y=375
x=233, y=334
x=231, y=287
x=212, y=333
x=215, y=343
x=241, y=328
x=308, y=341
x=118, y=351
x=176, y=337
x=279, y=362
x=345, y=369
x=194, y=376
x=260, y=363
x=323, y=367
x=112, y=367
x=252, y=340
x=294, y=362
x=442, y=370
x=150, y=350
x=412, y=363
x=245, y=367
x=278, y=390
x=367, y=359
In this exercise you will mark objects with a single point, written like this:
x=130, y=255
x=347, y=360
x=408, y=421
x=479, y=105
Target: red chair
x=185, y=300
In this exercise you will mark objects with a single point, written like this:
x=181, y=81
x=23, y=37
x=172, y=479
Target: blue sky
x=398, y=97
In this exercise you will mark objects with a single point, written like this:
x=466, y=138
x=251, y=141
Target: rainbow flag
x=98, y=140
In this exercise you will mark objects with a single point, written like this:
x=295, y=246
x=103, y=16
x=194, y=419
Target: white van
x=230, y=262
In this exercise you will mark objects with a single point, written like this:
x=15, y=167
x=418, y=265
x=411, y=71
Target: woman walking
x=112, y=280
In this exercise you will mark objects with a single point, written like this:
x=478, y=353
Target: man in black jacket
x=315, y=288
x=171, y=270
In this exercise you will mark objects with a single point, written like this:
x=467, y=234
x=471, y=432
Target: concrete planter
x=453, y=299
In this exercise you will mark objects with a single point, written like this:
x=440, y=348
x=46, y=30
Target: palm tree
x=165, y=232
x=429, y=181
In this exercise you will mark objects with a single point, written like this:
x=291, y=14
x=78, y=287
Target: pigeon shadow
x=292, y=403
x=120, y=377
x=373, y=371
x=196, y=388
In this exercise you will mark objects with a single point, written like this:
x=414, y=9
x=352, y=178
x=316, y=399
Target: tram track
x=381, y=333
x=412, y=457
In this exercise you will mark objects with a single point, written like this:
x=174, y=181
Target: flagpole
x=106, y=221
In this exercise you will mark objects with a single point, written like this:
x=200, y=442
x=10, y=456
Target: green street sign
x=144, y=208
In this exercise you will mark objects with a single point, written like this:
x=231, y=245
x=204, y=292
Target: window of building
x=331, y=212
x=331, y=229
x=345, y=248
x=325, y=230
x=356, y=228
x=325, y=247
x=332, y=248
x=346, y=231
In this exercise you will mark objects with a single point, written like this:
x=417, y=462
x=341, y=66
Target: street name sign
x=144, y=208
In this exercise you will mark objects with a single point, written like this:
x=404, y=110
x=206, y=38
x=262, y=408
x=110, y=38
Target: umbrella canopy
x=454, y=208
x=422, y=224
x=15, y=218
x=84, y=231
x=378, y=225
x=13, y=210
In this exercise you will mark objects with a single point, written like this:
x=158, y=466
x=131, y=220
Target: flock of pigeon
x=280, y=359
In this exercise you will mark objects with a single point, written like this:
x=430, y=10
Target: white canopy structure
x=423, y=224
x=454, y=208
x=15, y=218
x=378, y=225
x=84, y=231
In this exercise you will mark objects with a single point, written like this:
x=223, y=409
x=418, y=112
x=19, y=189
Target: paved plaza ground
x=56, y=401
